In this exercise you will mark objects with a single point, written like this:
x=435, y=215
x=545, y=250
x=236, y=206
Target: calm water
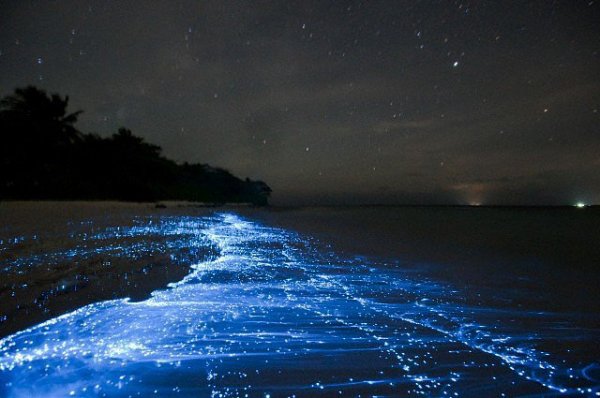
x=275, y=312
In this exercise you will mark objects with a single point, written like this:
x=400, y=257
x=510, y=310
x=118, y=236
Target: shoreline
x=464, y=243
x=49, y=271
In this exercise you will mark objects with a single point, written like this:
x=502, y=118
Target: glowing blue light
x=273, y=312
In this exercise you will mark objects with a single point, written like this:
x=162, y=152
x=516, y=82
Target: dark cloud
x=412, y=102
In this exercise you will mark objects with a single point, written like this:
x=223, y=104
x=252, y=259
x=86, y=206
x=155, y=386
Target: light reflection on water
x=274, y=316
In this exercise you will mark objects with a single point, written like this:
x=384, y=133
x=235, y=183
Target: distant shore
x=110, y=202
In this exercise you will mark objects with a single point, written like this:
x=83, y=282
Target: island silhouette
x=43, y=156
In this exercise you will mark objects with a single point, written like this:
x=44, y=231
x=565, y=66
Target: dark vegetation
x=43, y=156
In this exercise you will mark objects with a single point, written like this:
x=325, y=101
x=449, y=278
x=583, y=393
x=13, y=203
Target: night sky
x=336, y=102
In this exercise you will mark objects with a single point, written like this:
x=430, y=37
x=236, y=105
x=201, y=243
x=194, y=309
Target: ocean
x=108, y=299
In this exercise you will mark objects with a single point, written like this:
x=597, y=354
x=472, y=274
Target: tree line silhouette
x=43, y=156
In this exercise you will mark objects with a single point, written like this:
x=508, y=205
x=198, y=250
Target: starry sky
x=345, y=102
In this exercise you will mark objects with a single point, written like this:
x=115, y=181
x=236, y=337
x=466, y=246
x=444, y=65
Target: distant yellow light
x=580, y=205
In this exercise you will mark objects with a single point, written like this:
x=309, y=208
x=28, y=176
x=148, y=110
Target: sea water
x=275, y=313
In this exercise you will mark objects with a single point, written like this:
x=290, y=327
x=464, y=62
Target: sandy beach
x=56, y=257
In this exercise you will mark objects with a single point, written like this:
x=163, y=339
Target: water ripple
x=273, y=315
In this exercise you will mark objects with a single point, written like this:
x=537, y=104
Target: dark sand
x=51, y=262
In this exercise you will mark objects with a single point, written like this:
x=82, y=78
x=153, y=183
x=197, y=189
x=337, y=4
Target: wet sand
x=56, y=257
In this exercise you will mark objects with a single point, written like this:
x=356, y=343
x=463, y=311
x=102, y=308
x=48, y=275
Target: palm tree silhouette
x=41, y=115
x=36, y=143
x=43, y=156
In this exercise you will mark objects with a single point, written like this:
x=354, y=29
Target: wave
x=275, y=314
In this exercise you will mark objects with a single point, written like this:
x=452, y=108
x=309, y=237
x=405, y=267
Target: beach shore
x=59, y=256
x=436, y=298
x=56, y=257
